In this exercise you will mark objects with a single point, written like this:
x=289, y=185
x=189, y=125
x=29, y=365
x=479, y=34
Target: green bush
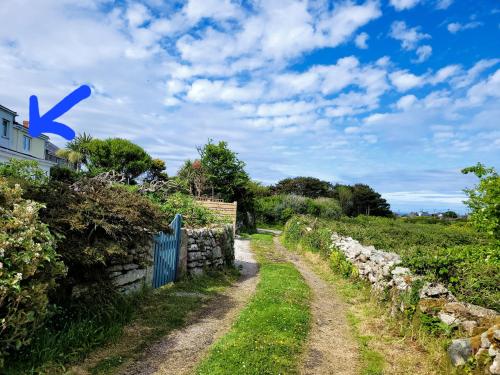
x=29, y=267
x=467, y=261
x=23, y=171
x=278, y=209
x=193, y=213
x=95, y=223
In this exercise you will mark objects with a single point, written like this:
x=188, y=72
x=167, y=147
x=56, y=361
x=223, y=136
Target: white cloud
x=423, y=53
x=403, y=4
x=409, y=37
x=406, y=102
x=444, y=74
x=361, y=40
x=490, y=87
x=404, y=80
x=195, y=10
x=471, y=75
x=443, y=4
x=207, y=91
x=455, y=27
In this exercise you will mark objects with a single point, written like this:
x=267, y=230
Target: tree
x=77, y=150
x=120, y=155
x=156, y=171
x=484, y=200
x=194, y=175
x=225, y=173
x=366, y=201
x=343, y=193
x=450, y=214
x=226, y=177
x=306, y=186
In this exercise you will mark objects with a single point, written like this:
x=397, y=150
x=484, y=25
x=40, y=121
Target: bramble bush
x=29, y=267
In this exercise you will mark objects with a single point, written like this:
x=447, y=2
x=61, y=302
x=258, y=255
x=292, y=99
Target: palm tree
x=76, y=151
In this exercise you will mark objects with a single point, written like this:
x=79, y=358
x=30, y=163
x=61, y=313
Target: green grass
x=270, y=226
x=269, y=335
x=151, y=313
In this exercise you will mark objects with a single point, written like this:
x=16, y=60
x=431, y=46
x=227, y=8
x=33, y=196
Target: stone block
x=459, y=351
x=129, y=277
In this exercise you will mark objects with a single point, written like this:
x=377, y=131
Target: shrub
x=27, y=171
x=29, y=266
x=96, y=222
x=193, y=214
x=277, y=209
x=465, y=260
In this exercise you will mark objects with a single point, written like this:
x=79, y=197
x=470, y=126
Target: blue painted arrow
x=47, y=123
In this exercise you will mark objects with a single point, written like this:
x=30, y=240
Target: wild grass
x=269, y=335
x=146, y=315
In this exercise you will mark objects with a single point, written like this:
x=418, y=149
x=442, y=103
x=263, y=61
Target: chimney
x=26, y=124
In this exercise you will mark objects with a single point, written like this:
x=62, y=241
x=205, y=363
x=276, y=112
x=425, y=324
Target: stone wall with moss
x=479, y=326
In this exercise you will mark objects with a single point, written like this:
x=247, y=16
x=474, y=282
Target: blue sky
x=399, y=94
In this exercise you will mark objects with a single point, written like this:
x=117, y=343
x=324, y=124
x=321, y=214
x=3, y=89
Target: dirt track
x=180, y=351
x=331, y=348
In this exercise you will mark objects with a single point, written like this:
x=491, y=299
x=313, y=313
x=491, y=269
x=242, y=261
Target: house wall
x=37, y=144
x=5, y=142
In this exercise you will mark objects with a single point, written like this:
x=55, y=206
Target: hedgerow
x=465, y=260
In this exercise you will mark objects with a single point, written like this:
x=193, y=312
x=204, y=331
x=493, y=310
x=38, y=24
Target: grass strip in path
x=269, y=335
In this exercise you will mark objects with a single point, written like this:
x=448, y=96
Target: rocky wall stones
x=384, y=272
x=209, y=248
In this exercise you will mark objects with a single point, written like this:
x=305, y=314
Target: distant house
x=17, y=143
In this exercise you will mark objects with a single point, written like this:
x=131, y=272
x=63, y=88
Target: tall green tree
x=306, y=186
x=77, y=150
x=157, y=171
x=366, y=201
x=226, y=177
x=225, y=173
x=120, y=155
x=484, y=200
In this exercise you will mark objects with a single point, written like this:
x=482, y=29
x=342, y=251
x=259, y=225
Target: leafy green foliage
x=29, y=267
x=305, y=186
x=23, y=171
x=366, y=201
x=277, y=209
x=120, y=155
x=156, y=171
x=193, y=214
x=484, y=200
x=467, y=261
x=77, y=150
x=226, y=177
x=95, y=222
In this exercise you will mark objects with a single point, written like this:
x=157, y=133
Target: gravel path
x=180, y=351
x=331, y=349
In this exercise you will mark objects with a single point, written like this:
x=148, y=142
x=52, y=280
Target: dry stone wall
x=201, y=249
x=382, y=269
x=209, y=248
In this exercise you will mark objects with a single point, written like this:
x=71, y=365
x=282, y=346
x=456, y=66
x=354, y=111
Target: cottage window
x=5, y=128
x=27, y=144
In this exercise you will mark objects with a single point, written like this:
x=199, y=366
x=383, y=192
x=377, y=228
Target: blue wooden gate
x=166, y=254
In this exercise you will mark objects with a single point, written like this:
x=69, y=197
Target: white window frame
x=5, y=128
x=28, y=139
